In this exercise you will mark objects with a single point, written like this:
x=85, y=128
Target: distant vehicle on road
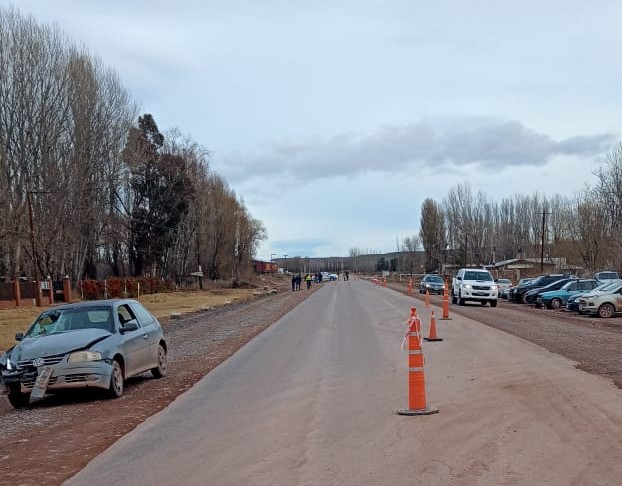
x=433, y=283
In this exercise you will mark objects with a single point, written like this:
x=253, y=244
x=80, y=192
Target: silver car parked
x=96, y=344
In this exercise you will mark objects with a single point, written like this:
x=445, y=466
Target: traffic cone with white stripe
x=416, y=378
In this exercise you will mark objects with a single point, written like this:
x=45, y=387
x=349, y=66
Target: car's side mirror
x=19, y=336
x=458, y=278
x=130, y=326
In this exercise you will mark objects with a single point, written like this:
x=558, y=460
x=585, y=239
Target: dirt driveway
x=49, y=442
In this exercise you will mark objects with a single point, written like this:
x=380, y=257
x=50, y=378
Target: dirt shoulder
x=50, y=441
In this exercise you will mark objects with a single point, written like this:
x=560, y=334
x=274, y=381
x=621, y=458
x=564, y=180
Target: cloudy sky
x=334, y=120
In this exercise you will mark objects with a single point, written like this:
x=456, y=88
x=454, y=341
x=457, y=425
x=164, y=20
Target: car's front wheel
x=493, y=303
x=17, y=398
x=160, y=370
x=555, y=303
x=606, y=310
x=116, y=380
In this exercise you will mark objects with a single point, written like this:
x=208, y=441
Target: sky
x=334, y=120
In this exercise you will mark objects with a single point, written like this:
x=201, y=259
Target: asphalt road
x=313, y=401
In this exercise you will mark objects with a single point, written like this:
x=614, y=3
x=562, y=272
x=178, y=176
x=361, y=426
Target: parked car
x=602, y=304
x=434, y=284
x=606, y=275
x=96, y=344
x=519, y=293
x=609, y=285
x=604, y=287
x=531, y=297
x=504, y=285
x=475, y=285
x=555, y=299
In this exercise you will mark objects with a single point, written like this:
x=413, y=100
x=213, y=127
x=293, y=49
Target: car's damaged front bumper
x=61, y=376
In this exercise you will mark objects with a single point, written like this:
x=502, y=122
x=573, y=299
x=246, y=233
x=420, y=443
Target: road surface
x=313, y=401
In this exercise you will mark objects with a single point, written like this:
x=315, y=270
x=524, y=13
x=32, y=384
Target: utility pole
x=544, y=213
x=35, y=260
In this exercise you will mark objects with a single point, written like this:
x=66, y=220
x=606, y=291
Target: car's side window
x=125, y=314
x=144, y=316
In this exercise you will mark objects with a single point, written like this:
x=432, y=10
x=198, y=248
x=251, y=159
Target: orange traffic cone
x=446, y=302
x=432, y=332
x=416, y=379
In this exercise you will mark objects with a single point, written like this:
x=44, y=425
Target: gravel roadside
x=52, y=440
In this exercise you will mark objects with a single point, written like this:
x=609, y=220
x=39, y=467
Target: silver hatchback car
x=97, y=344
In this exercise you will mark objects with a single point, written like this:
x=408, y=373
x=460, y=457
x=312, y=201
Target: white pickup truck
x=476, y=285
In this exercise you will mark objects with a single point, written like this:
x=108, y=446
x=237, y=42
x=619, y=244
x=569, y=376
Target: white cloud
x=395, y=149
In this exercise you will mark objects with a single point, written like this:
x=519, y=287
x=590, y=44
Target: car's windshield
x=607, y=276
x=572, y=285
x=477, y=276
x=607, y=286
x=55, y=321
x=434, y=278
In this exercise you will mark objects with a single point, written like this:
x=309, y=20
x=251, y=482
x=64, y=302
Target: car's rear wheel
x=606, y=310
x=160, y=370
x=556, y=303
x=17, y=398
x=116, y=380
x=523, y=298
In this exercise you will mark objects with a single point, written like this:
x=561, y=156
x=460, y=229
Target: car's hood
x=56, y=344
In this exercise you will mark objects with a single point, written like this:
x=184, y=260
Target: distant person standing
x=293, y=282
x=298, y=281
x=308, y=280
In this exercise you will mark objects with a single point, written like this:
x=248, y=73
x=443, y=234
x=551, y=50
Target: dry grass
x=161, y=305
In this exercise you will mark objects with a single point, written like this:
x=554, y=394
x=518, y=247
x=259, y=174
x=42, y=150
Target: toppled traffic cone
x=432, y=332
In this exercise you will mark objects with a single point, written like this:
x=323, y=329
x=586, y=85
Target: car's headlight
x=467, y=286
x=5, y=362
x=493, y=287
x=79, y=356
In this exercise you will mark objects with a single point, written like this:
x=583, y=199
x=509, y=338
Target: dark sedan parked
x=519, y=293
x=95, y=344
x=531, y=297
x=434, y=284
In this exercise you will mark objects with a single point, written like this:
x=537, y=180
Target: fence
x=23, y=293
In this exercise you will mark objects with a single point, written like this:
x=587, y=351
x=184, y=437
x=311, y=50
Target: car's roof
x=94, y=303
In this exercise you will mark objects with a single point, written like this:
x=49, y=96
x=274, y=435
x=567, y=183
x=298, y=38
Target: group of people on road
x=297, y=281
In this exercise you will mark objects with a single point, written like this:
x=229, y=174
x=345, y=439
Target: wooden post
x=17, y=292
